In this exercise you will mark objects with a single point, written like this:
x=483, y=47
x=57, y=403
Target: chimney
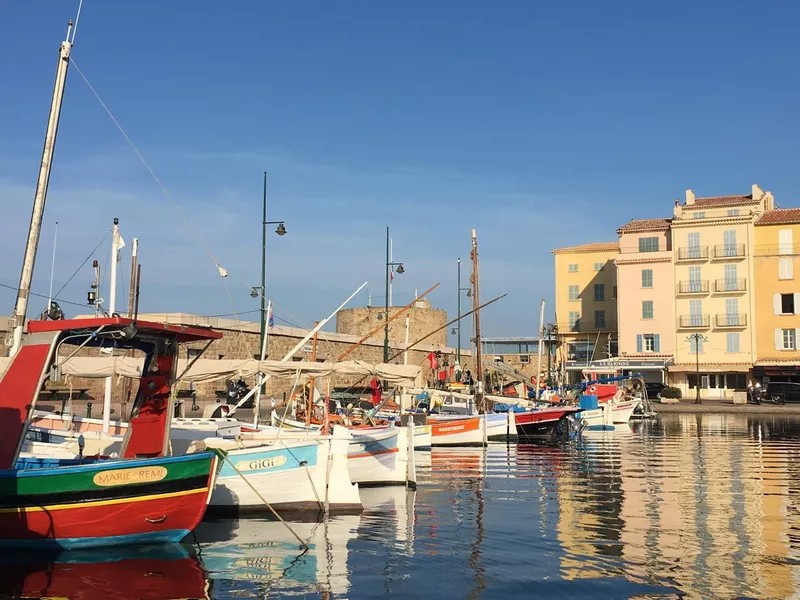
x=689, y=197
x=676, y=210
x=757, y=192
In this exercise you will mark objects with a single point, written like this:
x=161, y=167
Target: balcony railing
x=732, y=320
x=723, y=286
x=693, y=287
x=592, y=326
x=694, y=322
x=729, y=251
x=693, y=253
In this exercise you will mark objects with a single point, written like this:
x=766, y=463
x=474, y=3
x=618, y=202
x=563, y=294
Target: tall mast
x=539, y=360
x=26, y=276
x=476, y=302
x=112, y=307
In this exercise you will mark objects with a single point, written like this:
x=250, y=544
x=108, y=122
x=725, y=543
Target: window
x=695, y=284
x=573, y=268
x=732, y=342
x=648, y=342
x=696, y=313
x=733, y=212
x=730, y=278
x=598, y=266
x=699, y=215
x=691, y=379
x=729, y=237
x=574, y=320
x=648, y=244
x=789, y=339
x=599, y=292
x=647, y=309
x=192, y=353
x=694, y=245
x=647, y=278
x=696, y=343
x=785, y=268
x=785, y=241
x=524, y=358
x=787, y=304
x=600, y=319
x=732, y=311
x=614, y=292
x=573, y=293
x=297, y=358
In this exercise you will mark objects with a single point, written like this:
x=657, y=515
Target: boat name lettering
x=126, y=476
x=453, y=428
x=261, y=463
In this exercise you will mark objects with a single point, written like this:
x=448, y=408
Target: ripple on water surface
x=692, y=506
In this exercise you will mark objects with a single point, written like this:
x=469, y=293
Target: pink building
x=646, y=297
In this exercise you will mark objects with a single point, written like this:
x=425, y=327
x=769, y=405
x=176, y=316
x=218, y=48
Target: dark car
x=654, y=389
x=781, y=392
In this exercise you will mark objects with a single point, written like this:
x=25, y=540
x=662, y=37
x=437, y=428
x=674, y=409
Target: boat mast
x=112, y=307
x=35, y=229
x=476, y=302
x=539, y=360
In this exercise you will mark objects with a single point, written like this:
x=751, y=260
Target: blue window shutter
x=656, y=343
x=639, y=342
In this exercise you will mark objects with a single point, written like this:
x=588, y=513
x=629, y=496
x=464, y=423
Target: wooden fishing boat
x=543, y=422
x=146, y=496
x=457, y=431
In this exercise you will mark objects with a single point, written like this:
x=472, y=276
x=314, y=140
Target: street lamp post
x=400, y=271
x=695, y=339
x=281, y=231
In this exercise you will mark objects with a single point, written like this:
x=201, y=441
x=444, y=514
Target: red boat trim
x=84, y=505
x=376, y=453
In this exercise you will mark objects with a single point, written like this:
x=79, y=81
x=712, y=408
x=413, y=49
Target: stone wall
x=422, y=321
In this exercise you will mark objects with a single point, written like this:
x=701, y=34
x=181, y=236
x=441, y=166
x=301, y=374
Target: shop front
x=763, y=374
x=651, y=370
x=717, y=382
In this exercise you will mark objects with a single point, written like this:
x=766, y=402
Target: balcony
x=693, y=253
x=694, y=322
x=693, y=287
x=730, y=286
x=731, y=321
x=729, y=252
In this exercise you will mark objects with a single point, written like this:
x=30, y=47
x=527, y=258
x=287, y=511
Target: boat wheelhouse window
x=648, y=244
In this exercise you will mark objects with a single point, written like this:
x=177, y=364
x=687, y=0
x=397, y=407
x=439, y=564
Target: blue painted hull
x=158, y=537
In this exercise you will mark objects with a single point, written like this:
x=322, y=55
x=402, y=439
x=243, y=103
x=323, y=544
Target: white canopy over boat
x=207, y=370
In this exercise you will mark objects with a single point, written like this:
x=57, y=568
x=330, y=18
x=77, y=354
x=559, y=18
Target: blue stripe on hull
x=158, y=537
x=256, y=461
x=369, y=446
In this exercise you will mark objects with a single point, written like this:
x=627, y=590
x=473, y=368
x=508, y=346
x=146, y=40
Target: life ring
x=593, y=389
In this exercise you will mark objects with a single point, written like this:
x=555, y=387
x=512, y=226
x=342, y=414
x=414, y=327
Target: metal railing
x=732, y=320
x=693, y=287
x=694, y=322
x=693, y=253
x=729, y=251
x=730, y=285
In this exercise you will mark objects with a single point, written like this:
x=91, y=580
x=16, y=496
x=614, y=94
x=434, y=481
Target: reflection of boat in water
x=253, y=555
x=129, y=573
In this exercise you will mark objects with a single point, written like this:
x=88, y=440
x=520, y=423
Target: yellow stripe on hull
x=30, y=509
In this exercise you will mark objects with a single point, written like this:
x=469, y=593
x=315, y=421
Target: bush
x=671, y=392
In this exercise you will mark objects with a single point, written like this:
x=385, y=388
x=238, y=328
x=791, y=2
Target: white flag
x=120, y=246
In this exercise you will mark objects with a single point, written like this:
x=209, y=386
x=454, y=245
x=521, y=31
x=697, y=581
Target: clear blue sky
x=542, y=124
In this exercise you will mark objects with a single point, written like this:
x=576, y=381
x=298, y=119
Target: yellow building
x=777, y=297
x=712, y=241
x=586, y=303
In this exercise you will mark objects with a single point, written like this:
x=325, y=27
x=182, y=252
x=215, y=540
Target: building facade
x=646, y=297
x=586, y=304
x=777, y=296
x=712, y=241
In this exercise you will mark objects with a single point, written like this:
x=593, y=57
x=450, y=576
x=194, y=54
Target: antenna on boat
x=34, y=230
x=52, y=270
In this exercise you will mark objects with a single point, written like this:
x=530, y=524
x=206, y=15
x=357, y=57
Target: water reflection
x=137, y=573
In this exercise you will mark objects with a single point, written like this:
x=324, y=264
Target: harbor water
x=689, y=506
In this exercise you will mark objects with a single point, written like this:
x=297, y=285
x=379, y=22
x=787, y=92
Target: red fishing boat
x=543, y=422
x=146, y=495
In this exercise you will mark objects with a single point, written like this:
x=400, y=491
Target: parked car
x=781, y=392
x=654, y=389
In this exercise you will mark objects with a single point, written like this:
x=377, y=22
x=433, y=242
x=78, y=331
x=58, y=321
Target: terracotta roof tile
x=780, y=215
x=594, y=247
x=722, y=201
x=645, y=225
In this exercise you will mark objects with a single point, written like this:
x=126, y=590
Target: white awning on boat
x=208, y=370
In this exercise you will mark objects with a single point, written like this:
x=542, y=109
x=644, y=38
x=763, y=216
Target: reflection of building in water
x=705, y=508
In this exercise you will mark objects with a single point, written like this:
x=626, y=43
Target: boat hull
x=541, y=423
x=621, y=412
x=460, y=431
x=292, y=476
x=105, y=503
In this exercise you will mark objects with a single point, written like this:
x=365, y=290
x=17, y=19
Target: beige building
x=712, y=242
x=777, y=296
x=646, y=298
x=586, y=303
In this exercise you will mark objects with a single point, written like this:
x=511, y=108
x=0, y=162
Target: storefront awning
x=627, y=364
